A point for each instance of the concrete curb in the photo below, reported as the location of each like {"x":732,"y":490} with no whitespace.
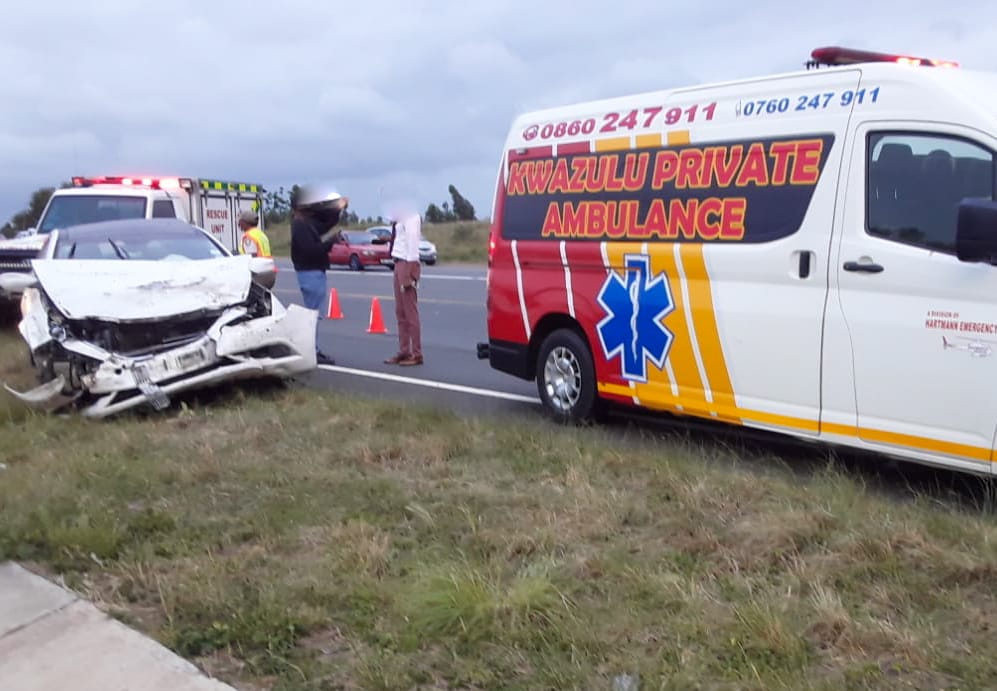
{"x":51,"y":639}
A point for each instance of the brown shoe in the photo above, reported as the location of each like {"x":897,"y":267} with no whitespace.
{"x":411,"y":360}
{"x":397,"y":359}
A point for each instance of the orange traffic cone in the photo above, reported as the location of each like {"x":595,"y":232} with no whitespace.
{"x":334,"y":311}
{"x":376,"y":320}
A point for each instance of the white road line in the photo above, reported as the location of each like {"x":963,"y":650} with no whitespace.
{"x":424,"y":276}
{"x":456,"y":278}
{"x":386,"y":298}
{"x":383,"y":274}
{"x":431,"y":384}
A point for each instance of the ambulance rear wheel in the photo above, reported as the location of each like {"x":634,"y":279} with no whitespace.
{"x":566,"y":377}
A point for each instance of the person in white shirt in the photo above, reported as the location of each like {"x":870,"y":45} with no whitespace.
{"x":406,"y":231}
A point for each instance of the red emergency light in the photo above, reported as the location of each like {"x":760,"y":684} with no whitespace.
{"x":134,"y":181}
{"x":835,"y":55}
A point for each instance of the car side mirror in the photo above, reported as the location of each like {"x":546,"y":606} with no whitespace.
{"x":264,"y":271}
{"x":976,"y":231}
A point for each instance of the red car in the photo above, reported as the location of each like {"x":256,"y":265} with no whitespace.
{"x":359,"y":249}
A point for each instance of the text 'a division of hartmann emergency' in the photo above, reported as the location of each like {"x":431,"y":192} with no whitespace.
{"x":688,"y":193}
{"x":950,"y":321}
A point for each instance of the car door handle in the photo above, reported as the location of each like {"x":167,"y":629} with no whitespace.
{"x":860,"y":266}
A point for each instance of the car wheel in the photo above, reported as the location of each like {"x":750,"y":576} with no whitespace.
{"x":430,"y":262}
{"x":355,"y":264}
{"x":566,"y":378}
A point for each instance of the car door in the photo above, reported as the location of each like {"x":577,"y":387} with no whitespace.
{"x":337,"y":253}
{"x":920,"y":324}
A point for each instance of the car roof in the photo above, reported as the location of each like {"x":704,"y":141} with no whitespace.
{"x":130,"y":226}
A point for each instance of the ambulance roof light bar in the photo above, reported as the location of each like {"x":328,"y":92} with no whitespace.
{"x":835,"y":56}
{"x":167,"y":183}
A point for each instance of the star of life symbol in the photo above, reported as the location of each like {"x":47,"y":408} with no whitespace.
{"x":635,"y":305}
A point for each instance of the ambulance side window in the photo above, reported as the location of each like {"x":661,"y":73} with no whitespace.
{"x":163,"y":208}
{"x":915,"y":183}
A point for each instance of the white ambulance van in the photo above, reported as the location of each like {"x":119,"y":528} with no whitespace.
{"x":810,"y":253}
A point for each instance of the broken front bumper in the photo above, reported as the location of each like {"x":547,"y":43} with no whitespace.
{"x":226,"y":352}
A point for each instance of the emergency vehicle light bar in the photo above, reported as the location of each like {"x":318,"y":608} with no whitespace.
{"x":835,"y":55}
{"x":154,"y":183}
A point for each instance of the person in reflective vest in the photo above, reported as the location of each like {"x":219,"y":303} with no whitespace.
{"x":253,"y":241}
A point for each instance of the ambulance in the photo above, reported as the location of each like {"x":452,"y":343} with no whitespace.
{"x":213,"y":205}
{"x":810,"y":253}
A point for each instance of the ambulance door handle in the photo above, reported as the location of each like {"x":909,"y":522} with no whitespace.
{"x":804,"y":267}
{"x":867,"y":267}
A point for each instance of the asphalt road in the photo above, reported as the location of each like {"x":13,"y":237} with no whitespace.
{"x":452,"y":311}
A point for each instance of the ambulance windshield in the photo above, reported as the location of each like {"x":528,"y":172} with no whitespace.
{"x":72,"y":210}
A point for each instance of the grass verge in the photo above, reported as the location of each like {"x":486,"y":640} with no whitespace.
{"x":287,"y":538}
{"x":462,"y":242}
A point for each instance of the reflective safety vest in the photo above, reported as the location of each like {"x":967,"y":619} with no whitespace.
{"x":255,"y":242}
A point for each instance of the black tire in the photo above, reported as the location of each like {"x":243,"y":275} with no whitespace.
{"x":566,"y":378}
{"x":355,"y":264}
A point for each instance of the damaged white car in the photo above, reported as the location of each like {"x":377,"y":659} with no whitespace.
{"x":125,"y":313}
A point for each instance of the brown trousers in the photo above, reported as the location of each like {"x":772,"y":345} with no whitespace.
{"x":407,"y":307}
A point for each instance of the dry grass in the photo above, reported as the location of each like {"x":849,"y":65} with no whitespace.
{"x":462,"y":242}
{"x":288,"y":538}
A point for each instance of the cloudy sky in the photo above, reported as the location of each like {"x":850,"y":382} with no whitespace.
{"x":386,"y":97}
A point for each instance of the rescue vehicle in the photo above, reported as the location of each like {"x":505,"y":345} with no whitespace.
{"x":213,"y":205}
{"x":810,"y":253}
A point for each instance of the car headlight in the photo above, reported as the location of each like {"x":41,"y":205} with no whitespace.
{"x":27,"y":301}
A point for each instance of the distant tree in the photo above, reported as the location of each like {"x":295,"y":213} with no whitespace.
{"x":448,"y":214}
{"x":433,"y":214}
{"x":28,"y":218}
{"x":278,"y":205}
{"x":462,"y":208}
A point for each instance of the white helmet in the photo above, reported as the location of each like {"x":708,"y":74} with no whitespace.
{"x":311,"y":194}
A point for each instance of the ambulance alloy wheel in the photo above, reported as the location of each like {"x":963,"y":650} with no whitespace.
{"x":566,"y":377}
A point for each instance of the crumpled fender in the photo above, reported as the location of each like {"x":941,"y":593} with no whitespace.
{"x":294,"y":328}
{"x":48,"y":396}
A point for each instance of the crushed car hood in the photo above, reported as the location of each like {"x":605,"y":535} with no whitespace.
{"x":131,"y":290}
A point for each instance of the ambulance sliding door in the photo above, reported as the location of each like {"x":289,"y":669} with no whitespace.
{"x":770,"y":288}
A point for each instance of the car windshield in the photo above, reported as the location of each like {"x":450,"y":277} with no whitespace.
{"x":74,"y":210}
{"x":358,"y":237}
{"x":138,"y":244}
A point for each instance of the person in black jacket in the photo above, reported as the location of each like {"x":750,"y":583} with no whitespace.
{"x":316,"y":211}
